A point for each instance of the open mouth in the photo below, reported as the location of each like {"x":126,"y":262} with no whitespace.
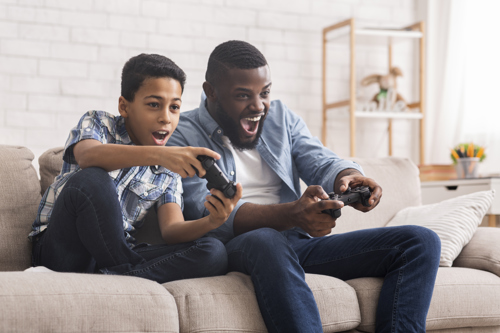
{"x":160,"y":137}
{"x":250,"y":125}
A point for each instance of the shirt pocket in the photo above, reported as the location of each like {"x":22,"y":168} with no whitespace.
{"x":139,"y":199}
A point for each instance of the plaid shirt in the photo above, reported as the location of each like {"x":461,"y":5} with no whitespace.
{"x":137,"y":188}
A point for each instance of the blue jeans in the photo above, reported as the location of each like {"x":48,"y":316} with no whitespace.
{"x":85,"y":234}
{"x":406,"y":257}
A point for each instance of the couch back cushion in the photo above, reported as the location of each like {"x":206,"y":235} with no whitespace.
{"x":20,"y":197}
{"x":50,"y":163}
{"x":399,"y":179}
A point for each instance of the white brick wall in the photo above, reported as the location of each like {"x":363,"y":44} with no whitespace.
{"x":60,"y":58}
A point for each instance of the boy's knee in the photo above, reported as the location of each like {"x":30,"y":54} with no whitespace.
{"x":213,"y":255}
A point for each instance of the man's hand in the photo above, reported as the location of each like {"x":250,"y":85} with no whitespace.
{"x":354,"y":179}
{"x":182,"y":160}
{"x":307,"y":212}
{"x":221,"y":207}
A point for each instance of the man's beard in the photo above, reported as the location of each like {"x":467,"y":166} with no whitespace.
{"x":231,"y":129}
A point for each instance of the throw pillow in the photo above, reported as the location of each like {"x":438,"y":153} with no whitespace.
{"x":454,"y":220}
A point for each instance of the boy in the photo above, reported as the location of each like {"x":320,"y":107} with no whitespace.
{"x":115,"y":169}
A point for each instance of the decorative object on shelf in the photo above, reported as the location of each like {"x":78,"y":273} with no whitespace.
{"x":466,"y":158}
{"x":387,"y":99}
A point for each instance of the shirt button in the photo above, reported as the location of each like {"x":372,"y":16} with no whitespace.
{"x":87,"y":129}
{"x":210,"y":136}
{"x":232,"y":173}
{"x":219,"y":131}
{"x":145,"y":193}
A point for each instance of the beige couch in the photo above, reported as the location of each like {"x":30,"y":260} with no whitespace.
{"x":466,"y":299}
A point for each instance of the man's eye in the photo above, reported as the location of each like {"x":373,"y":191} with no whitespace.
{"x":242,"y":96}
{"x":265,"y":93}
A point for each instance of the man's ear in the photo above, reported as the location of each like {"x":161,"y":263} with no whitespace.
{"x":123,"y":107}
{"x":209,"y":91}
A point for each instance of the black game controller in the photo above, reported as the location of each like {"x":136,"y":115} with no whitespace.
{"x":215,"y":177}
{"x":350,"y":196}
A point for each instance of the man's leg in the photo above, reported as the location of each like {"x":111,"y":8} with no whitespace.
{"x":285,"y":300}
{"x":407,"y":257}
{"x":86,"y":226}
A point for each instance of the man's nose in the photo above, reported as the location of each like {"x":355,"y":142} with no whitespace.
{"x":258,"y":104}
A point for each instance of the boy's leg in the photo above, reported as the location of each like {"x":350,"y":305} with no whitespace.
{"x":86,"y":225}
{"x":285,"y":300}
{"x":406,"y":257}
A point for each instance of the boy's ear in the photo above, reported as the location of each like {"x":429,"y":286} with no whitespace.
{"x":123,"y":107}
{"x":209,"y":91}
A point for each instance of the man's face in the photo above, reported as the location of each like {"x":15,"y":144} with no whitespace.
{"x":153,"y":115}
{"x":241,"y":104}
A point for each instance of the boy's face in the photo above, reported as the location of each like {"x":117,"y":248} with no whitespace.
{"x":242,"y":100}
{"x":153,"y":115}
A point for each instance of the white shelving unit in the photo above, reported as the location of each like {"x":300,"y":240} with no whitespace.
{"x":386,"y":37}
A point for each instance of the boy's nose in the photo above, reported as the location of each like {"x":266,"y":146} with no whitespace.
{"x":164,"y":117}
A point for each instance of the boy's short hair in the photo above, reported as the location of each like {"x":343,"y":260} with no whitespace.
{"x":232,"y":54}
{"x":144,"y":66}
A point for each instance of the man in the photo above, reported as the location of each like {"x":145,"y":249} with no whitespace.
{"x":274,"y":234}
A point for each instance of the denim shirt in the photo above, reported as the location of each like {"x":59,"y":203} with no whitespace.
{"x":286,"y":145}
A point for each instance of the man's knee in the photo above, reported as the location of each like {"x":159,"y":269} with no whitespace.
{"x":426,"y":240}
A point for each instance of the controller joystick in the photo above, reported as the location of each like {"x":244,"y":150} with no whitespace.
{"x":215,"y":177}
{"x":350,"y":196}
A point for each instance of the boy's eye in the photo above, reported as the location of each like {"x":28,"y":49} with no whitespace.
{"x":154,"y":104}
{"x":175,"y":107}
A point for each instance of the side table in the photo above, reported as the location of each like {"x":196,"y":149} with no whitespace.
{"x":436,"y":191}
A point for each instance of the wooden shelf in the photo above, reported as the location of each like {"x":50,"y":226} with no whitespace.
{"x":388,"y":115}
{"x":373,"y":36}
{"x":347,"y":32}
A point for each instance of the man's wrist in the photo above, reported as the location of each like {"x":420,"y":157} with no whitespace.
{"x":343,"y":173}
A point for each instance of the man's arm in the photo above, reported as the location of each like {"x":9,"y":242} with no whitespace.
{"x":181,"y":160}
{"x":305,"y":213}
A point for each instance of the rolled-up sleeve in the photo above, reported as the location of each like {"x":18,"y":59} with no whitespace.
{"x":316,"y":164}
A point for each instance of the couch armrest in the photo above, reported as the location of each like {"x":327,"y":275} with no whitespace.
{"x":482,"y":252}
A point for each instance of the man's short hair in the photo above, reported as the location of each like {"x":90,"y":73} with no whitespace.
{"x":145,"y":66}
{"x":232,"y":54}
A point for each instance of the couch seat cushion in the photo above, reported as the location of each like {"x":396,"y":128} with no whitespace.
{"x":228,"y":304}
{"x":68,"y":302}
{"x":462,"y":298}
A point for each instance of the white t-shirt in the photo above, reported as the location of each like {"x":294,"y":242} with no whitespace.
{"x":261,"y":185}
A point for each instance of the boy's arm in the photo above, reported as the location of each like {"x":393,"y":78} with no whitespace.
{"x":175,"y":230}
{"x":181,"y":160}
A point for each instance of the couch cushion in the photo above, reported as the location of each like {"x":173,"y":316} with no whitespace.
{"x":482,"y":252}
{"x":228,"y":303}
{"x":19,"y":200}
{"x":462,"y":298}
{"x":50,"y":163}
{"x":400,"y":183}
{"x":68,"y":302}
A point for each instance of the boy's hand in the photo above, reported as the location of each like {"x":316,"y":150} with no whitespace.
{"x":182,"y":160}
{"x":221,"y":207}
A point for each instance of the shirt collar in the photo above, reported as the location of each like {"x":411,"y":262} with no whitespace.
{"x":122,"y":131}
{"x":207,"y":122}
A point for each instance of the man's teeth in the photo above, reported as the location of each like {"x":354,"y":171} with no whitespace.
{"x":162,"y":132}
{"x":254,"y":118}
